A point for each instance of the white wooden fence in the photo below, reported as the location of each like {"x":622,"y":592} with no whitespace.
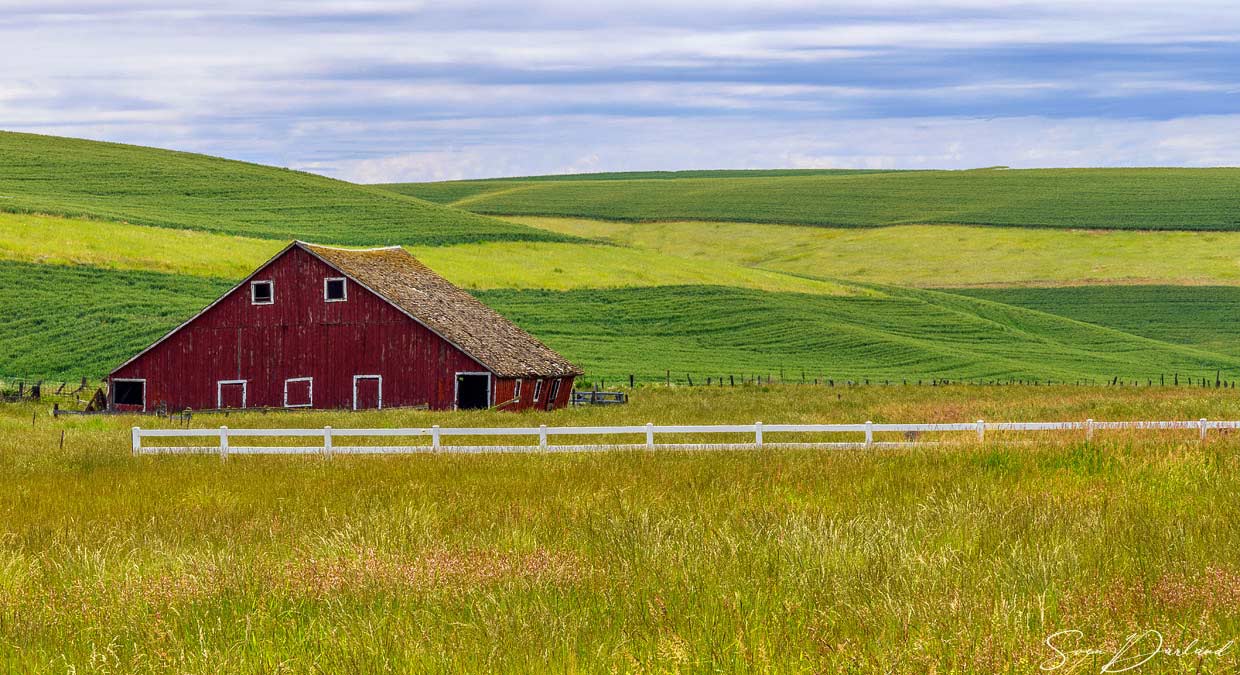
{"x":325,"y":439}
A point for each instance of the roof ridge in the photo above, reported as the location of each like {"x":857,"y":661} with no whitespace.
{"x":348,"y":250}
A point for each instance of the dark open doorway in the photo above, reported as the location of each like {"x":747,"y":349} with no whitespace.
{"x":129,"y":394}
{"x":473,"y":391}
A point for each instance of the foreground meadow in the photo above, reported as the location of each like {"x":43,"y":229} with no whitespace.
{"x":961,"y":557}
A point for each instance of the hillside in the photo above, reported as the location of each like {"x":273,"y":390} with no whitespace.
{"x":1203,"y":317}
{"x":56,"y":331}
{"x":108,"y":181}
{"x":1142,"y":199}
{"x":104,"y":247}
{"x":933,"y":256}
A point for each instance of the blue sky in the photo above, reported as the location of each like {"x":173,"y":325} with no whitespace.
{"x":386,"y":91}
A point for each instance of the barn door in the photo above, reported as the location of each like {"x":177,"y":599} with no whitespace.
{"x":473,"y":391}
{"x":230,"y":394}
{"x":367,"y":392}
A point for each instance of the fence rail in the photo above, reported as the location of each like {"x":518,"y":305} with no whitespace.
{"x":327,"y":436}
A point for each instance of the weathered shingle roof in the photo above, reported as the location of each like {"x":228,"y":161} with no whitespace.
{"x":455,"y":315}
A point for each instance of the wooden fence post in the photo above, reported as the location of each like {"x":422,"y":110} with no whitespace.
{"x":1204,"y":426}
{"x":137,"y":441}
{"x":1089,"y":429}
{"x":650,"y":435}
{"x":327,"y":442}
{"x":981,"y":431}
{"x":435,"y":438}
{"x":542,"y":436}
{"x":757,"y":434}
{"x":223,"y":443}
{"x":869,"y":434}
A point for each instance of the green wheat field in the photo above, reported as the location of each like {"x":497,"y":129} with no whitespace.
{"x":951,"y":557}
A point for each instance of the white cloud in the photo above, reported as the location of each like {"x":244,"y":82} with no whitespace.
{"x":386,"y":90}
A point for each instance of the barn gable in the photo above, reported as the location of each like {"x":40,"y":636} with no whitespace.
{"x":322,"y":327}
{"x":474,"y":328}
{"x":401,"y":280}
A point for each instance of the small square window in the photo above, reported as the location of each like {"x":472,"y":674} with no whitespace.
{"x":262,"y":293}
{"x":334,"y":290}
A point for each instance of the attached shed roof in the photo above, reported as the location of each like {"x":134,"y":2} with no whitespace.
{"x":458,"y":317}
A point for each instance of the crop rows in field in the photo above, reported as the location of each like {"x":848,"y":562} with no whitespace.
{"x":1163,"y":199}
{"x":1204,"y":317}
{"x":69,"y":322}
{"x":715,"y":331}
{"x":70,"y":177}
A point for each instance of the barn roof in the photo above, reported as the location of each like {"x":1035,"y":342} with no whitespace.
{"x":458,"y":317}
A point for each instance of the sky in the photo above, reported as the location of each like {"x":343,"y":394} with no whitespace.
{"x":380,"y":91}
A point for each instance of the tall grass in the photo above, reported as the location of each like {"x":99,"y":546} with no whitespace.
{"x":956,"y":558}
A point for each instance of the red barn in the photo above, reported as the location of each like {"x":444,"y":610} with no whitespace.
{"x":323,"y":327}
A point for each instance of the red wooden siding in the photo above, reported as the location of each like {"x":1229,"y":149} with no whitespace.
{"x":301,"y":335}
{"x":504,"y":389}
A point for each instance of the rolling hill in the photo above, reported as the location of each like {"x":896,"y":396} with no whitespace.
{"x":1140,"y":199}
{"x":109,"y":181}
{"x":103,"y":247}
{"x":66,"y":322}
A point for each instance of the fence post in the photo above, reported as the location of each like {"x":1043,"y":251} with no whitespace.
{"x":137,"y":441}
{"x":757,"y":434}
{"x":1089,"y":429}
{"x":869,"y":433}
{"x":981,"y":431}
{"x":650,"y":435}
{"x":327,"y":442}
{"x":1202,"y":423}
{"x":223,"y":443}
{"x":435,"y":438}
{"x":542,"y":436}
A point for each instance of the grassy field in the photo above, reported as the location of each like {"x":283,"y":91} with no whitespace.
{"x":522,"y":264}
{"x":1140,"y":199}
{"x":714,"y":331}
{"x":697,"y":330}
{"x":70,"y":177}
{"x":698,"y":299}
{"x":955,"y":558}
{"x":1204,"y":317}
{"x":934,"y":255}
{"x":72,"y":322}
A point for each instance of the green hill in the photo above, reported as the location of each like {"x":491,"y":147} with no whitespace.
{"x":1146,"y":199}
{"x":1204,"y":317}
{"x":108,"y":181}
{"x":73,"y":321}
{"x":81,"y":291}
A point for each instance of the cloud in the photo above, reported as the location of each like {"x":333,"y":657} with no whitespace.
{"x":378,"y":90}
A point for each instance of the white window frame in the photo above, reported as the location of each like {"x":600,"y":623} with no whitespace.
{"x":538,"y":387}
{"x":344,"y":281}
{"x":456,"y":386}
{"x":254,"y":299}
{"x":112,"y":391}
{"x":516,"y":390}
{"x":299,"y":405}
{"x":368,"y":377}
{"x":554,"y":393}
{"x":219,"y":393}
